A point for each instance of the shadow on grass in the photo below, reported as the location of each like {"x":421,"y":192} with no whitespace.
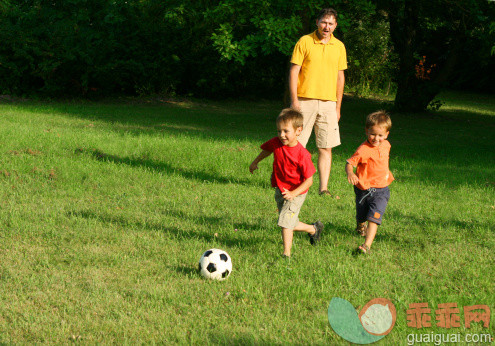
{"x":208,"y":120}
{"x":226,"y":238}
{"x":204,"y":119}
{"x":220,"y":338}
{"x":186,"y":270}
{"x":336,"y":228}
{"x":419,"y":138}
{"x":442,"y":229}
{"x":165,"y":168}
{"x":238,"y":231}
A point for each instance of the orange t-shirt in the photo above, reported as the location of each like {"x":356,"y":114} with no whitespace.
{"x":372,"y":165}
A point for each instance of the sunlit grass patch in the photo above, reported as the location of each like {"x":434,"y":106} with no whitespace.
{"x":106,"y":209}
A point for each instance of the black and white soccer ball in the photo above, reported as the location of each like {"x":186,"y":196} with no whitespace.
{"x":215,"y":264}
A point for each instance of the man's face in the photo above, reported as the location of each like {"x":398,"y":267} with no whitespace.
{"x":326,"y":26}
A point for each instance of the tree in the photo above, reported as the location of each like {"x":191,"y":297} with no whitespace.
{"x":222,"y":48}
{"x":66,"y":48}
{"x":257,"y":38}
{"x":431,"y":40}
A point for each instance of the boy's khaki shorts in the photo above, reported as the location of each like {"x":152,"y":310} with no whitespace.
{"x":288,"y":211}
{"x":323,"y":116}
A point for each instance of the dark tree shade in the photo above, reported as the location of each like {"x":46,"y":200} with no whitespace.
{"x":233,"y":48}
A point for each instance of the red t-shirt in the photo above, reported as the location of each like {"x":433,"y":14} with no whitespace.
{"x":372,"y":165}
{"x":291,"y":165}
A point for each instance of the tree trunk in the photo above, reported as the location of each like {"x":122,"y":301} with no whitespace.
{"x":414,"y":90}
{"x":413,"y":94}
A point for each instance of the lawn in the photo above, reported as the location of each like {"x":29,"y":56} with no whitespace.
{"x":106,"y":208}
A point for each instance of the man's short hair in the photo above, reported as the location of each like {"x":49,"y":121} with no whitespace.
{"x":380,"y":118}
{"x":291,"y":115}
{"x":326,"y":12}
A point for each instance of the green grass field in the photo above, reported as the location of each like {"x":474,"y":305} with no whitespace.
{"x":107,"y":207}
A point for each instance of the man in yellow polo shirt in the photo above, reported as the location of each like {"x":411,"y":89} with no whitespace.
{"x":316,"y":82}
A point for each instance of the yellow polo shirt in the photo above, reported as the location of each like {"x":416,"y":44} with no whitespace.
{"x":320,"y":64}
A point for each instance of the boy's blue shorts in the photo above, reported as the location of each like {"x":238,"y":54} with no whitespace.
{"x":371,"y":204}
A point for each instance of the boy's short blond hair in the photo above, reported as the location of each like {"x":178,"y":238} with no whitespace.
{"x":380,"y":118}
{"x":291,"y":115}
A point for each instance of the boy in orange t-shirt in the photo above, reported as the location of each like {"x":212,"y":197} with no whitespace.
{"x":372,"y":177}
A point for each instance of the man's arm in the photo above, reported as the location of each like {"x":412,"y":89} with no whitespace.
{"x":340,"y":91}
{"x":305,"y":185}
{"x":254,"y":165}
{"x":293,"y":77}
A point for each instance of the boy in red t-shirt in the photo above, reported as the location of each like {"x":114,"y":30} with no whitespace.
{"x":372,"y":177}
{"x":291,"y":177}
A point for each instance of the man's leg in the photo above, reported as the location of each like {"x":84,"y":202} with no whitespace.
{"x":309,"y":112}
{"x":327,"y":137}
{"x":324,"y":167}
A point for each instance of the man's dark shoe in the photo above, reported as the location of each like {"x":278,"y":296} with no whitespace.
{"x":315,"y":237}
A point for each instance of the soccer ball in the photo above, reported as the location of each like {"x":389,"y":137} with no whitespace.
{"x":215,"y":264}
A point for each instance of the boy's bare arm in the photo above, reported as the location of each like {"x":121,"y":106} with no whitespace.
{"x":351,"y":177}
{"x":254,"y":165}
{"x":305,"y":185}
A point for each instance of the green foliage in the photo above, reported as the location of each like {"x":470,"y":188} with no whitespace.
{"x":492,"y":31}
{"x":227,"y":48}
{"x":445,"y":34}
{"x":83,"y":47}
{"x":435,"y":105}
{"x":271,"y":29}
{"x":372,"y":60}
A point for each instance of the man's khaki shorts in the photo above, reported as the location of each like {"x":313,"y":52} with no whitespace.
{"x":288,"y":211}
{"x":323,"y":116}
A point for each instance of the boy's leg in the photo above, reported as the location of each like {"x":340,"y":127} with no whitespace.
{"x":288,"y":218}
{"x":361,"y":228}
{"x":288,"y":234}
{"x":361,"y":211}
{"x":303,"y":227}
{"x":377,"y":205}
{"x":370,"y":233}
{"x":314,"y":231}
